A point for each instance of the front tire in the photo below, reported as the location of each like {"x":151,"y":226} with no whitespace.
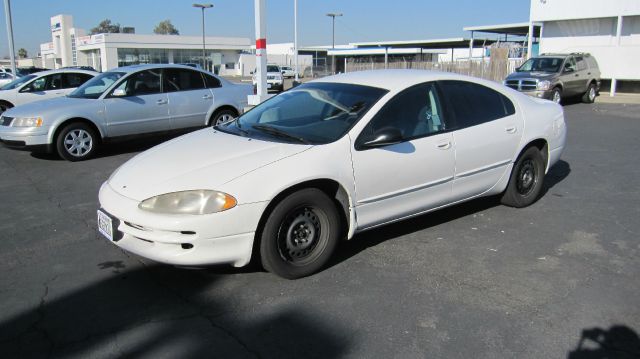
{"x":300,"y":234}
{"x":76,"y":142}
{"x":526,"y":179}
{"x":556,"y":95}
{"x":4,"y":105}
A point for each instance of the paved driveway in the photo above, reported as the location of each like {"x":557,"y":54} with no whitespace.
{"x":477,"y":280}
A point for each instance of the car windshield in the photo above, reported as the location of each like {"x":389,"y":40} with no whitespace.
{"x":541,"y":64}
{"x":312,"y":113}
{"x":17,"y":82}
{"x":97,"y":85}
{"x":271,"y":68}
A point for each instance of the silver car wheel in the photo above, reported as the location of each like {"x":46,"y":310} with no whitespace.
{"x":224,"y":118}
{"x":556,"y":96}
{"x":78,"y":142}
{"x":592,"y":93}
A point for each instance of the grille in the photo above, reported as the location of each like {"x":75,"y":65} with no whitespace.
{"x":6,"y":120}
{"x":522,"y":85}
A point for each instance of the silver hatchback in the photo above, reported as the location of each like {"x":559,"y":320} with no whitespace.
{"x":123,"y":102}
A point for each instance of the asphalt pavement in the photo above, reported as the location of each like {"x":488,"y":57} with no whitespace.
{"x":558,"y":279}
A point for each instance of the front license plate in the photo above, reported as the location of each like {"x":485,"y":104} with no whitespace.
{"x":268,"y":86}
{"x":105,"y":225}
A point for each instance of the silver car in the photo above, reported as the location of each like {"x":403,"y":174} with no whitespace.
{"x":123,"y":102}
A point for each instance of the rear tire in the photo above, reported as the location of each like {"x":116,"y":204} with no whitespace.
{"x":222,"y":116}
{"x":300,"y":234}
{"x":590,"y":95}
{"x":526,"y":179}
{"x":76,"y":141}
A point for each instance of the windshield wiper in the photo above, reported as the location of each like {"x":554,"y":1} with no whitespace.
{"x":279,"y":133}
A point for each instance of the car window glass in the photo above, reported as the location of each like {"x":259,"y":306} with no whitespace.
{"x":38,"y":84}
{"x":580,"y":64}
{"x":473,"y":104}
{"x":182,"y":80}
{"x":211,"y":81}
{"x":415,"y":112}
{"x":570,"y":64}
{"x":54,"y":82}
{"x":141,"y":83}
{"x":73,"y":79}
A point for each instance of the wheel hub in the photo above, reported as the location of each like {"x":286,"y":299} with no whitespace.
{"x":526,"y":178}
{"x":301,"y":235}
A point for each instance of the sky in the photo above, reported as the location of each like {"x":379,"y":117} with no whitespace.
{"x":363,"y":20}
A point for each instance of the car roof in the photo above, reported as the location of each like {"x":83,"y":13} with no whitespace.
{"x":49,"y":72}
{"x":134,"y":68}
{"x":396,"y":79}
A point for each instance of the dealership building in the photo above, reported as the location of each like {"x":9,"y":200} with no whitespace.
{"x":71,"y":46}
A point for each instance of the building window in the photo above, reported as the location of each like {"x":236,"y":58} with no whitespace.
{"x":74,"y":53}
{"x":128,"y":57}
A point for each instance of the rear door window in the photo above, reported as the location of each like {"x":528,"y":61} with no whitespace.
{"x":472,"y":104}
{"x":182,"y":80}
{"x":211,"y":81}
{"x":74,"y":79}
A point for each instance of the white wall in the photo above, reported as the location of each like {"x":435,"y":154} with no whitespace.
{"x":598,"y":37}
{"x":548,"y":10}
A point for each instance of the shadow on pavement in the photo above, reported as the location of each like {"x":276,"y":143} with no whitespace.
{"x":160,"y":311}
{"x":620,"y":342}
{"x":359,"y":243}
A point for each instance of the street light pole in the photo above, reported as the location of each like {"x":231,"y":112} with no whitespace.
{"x":295,"y":38}
{"x":333,"y":31}
{"x":204,"y":56}
{"x":12,"y":52}
{"x":333,"y":38}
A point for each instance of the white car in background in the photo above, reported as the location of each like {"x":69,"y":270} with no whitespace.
{"x":42,"y":86}
{"x":325,"y":160}
{"x":275,"y":80}
{"x":5,"y":78}
{"x":126,"y":101}
{"x":288,"y":72}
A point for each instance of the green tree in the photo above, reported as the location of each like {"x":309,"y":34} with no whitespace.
{"x":22,"y":53}
{"x":105,"y":26}
{"x":165,"y":27}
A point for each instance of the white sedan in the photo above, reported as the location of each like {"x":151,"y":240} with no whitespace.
{"x":42,"y":86}
{"x":326,"y":160}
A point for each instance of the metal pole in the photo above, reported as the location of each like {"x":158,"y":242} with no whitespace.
{"x":530,"y":40}
{"x":333,"y":38}
{"x":295,"y":38}
{"x":261,"y":48}
{"x":204,"y":55}
{"x":12,"y":50}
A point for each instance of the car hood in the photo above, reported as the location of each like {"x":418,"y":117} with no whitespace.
{"x":531,"y":75}
{"x":204,"y":159}
{"x":43,"y":107}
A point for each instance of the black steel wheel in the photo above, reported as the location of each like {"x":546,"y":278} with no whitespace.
{"x":526,"y":179}
{"x":300,"y":234}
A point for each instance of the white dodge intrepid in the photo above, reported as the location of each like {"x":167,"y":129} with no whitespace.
{"x":325,"y":160}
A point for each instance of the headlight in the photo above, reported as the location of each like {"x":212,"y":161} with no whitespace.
{"x":543,"y":85}
{"x":189,"y":202}
{"x":27,"y":122}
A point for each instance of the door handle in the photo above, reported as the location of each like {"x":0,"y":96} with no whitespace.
{"x":444,"y":145}
{"x":161,"y":102}
{"x":511,"y":129}
{"x":207,"y":97}
{"x":576,"y":75}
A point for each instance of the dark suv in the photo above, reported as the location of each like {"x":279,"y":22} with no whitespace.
{"x":557,"y":76}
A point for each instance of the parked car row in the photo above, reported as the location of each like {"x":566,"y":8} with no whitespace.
{"x":126,"y":101}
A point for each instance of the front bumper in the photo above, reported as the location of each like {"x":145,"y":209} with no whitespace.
{"x":547,"y":95}
{"x":188,"y":240}
{"x":24,"y":137}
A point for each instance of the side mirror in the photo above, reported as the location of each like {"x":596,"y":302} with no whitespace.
{"x":384,"y":137}
{"x":568,"y":69}
{"x":119,"y":93}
